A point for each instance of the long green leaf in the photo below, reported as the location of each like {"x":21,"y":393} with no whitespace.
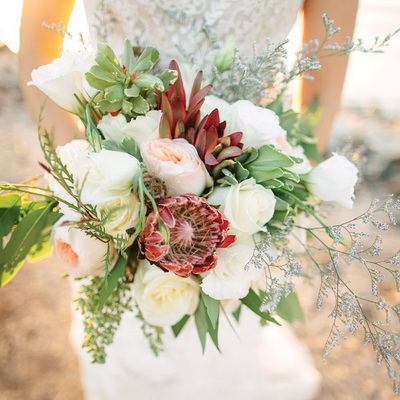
{"x":109,"y":285}
{"x":201,"y":324}
{"x":10,"y":205}
{"x":27,"y":233}
{"x":212,"y":308}
{"x":253,"y":302}
{"x":289,"y":308}
{"x":177,"y":328}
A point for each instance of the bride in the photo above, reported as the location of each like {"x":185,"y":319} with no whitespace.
{"x":256,"y":363}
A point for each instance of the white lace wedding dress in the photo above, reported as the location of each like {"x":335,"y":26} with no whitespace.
{"x":255,"y":363}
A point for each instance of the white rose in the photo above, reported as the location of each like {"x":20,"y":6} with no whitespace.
{"x":120,"y":214}
{"x":141,"y":129}
{"x":163,"y":297}
{"x":177,"y":162}
{"x":64,"y":78}
{"x":258,"y":124}
{"x":109,"y":176}
{"x":333,"y":180}
{"x":74,"y":156}
{"x":80,"y":254}
{"x":248,"y":206}
{"x":212,"y":102}
{"x":229,"y":279}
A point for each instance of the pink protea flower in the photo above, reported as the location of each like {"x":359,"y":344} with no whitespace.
{"x":196,"y":230}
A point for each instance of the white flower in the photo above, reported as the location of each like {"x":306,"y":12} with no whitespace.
{"x":248,"y":206}
{"x":212,"y":102}
{"x":163,"y":297}
{"x":74,"y":156}
{"x":141,"y":129}
{"x":109,"y":176}
{"x":120,"y":214}
{"x":64,"y":78}
{"x":229,"y":279}
{"x":301,"y":168}
{"x":258,"y":124}
{"x":333,"y":180}
{"x":80,"y":255}
{"x":177,"y":162}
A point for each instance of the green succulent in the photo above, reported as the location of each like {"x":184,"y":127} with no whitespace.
{"x":129,"y":88}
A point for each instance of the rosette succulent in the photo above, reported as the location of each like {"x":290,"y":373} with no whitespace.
{"x":195,"y":231}
{"x":181,"y":121}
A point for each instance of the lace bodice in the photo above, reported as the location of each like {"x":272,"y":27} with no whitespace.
{"x":180,"y":28}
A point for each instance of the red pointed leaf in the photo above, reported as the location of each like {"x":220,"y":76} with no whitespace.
{"x":190,"y":134}
{"x":197,"y":83}
{"x":201,"y":143}
{"x":179,"y":130}
{"x":200,"y":95}
{"x":209,"y":159}
{"x":165,"y":130}
{"x":166,"y":108}
{"x":180,"y":90}
{"x":211,"y":139}
{"x":229,"y":152}
{"x":236,"y":138}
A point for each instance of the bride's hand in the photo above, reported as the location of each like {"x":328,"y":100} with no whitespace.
{"x":328,"y":81}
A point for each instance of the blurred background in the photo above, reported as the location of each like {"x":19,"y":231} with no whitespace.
{"x":36,"y":360}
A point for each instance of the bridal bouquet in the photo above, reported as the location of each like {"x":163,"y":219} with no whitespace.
{"x":188,"y":200}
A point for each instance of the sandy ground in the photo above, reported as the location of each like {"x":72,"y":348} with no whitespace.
{"x":36,"y":360}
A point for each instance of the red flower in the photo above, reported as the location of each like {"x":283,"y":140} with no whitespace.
{"x":195,"y":231}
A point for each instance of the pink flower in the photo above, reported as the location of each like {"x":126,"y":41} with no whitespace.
{"x":196,"y":230}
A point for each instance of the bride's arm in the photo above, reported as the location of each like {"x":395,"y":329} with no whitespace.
{"x":328,"y":83}
{"x":39,"y":46}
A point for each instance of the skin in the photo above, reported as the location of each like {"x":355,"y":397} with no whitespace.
{"x":328,"y":81}
{"x":40,"y":46}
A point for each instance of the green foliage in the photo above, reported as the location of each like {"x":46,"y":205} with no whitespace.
{"x":177,"y":328}
{"x":31,"y":229}
{"x":10,"y":206}
{"x":128,"y":145}
{"x":101,"y":323}
{"x":111,"y":280}
{"x":207,"y":319}
{"x":289,"y":308}
{"x":152,"y":333}
{"x":253,"y":302}
{"x":130,"y":88}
